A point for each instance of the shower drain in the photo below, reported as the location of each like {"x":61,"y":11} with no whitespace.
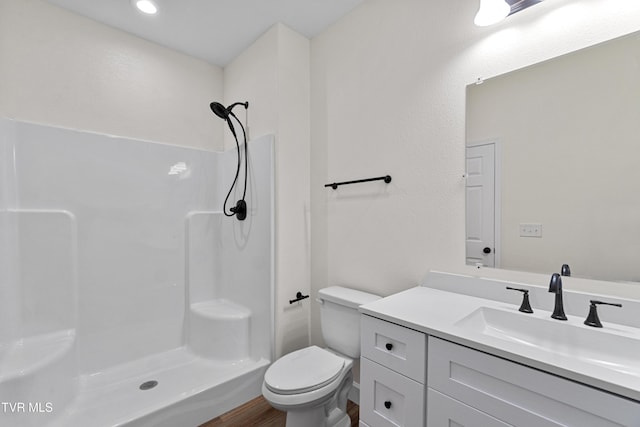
{"x":148,"y":385}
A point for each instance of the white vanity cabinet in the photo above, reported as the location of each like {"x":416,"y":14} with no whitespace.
{"x":514,"y":394}
{"x":392,"y":375}
{"x":409,"y":378}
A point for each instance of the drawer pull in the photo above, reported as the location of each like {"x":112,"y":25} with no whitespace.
{"x":389,"y":346}
{"x":387,"y":404}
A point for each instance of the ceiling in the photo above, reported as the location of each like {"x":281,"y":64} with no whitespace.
{"x":213,"y":30}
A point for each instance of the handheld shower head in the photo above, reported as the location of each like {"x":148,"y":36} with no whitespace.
{"x":223,"y":112}
{"x":219,"y":110}
{"x":240,"y":209}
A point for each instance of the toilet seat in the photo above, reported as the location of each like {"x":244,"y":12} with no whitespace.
{"x":303,"y":371}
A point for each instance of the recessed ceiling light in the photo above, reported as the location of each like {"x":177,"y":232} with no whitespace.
{"x":146,"y":6}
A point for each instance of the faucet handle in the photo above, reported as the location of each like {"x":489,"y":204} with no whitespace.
{"x":592,"y":318}
{"x":525,"y":307}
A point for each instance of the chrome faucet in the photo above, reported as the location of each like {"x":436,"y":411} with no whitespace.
{"x":555,"y":286}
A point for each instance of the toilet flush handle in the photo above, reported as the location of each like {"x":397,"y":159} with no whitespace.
{"x":389,"y":346}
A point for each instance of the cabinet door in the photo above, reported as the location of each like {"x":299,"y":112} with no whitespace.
{"x":520,"y":395}
{"x":388,"y":399}
{"x":447,"y":412}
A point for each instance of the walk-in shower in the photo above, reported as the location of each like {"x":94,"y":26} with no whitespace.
{"x":125,"y":297}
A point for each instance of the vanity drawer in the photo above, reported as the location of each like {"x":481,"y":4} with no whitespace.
{"x":445,"y":411}
{"x":396,"y":347}
{"x":520,"y":395}
{"x":388,"y":399}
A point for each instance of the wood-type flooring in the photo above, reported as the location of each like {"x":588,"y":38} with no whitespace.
{"x":259,"y":413}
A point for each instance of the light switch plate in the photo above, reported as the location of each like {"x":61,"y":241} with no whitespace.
{"x":531,"y":230}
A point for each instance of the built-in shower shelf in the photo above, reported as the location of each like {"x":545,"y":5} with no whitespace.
{"x":220,"y":309}
{"x":25,"y":356}
{"x":220,"y":330}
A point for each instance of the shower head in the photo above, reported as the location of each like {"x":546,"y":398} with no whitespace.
{"x":219,"y":110}
{"x":223,"y":112}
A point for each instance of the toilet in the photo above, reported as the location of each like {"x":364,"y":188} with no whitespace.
{"x":312,"y":384}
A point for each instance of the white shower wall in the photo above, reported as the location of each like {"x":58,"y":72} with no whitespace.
{"x":7,"y":310}
{"x":94,"y":238}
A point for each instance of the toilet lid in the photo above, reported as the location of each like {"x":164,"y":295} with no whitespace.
{"x":303,"y":370}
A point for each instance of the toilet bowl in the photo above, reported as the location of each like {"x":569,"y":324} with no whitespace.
{"x":305,"y":384}
{"x":312,"y":384}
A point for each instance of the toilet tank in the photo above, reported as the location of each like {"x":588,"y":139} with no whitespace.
{"x":340,"y":318}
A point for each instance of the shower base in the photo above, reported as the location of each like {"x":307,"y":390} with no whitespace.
{"x":189,"y":391}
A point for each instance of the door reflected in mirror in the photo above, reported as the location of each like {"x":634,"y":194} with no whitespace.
{"x":566,"y":165}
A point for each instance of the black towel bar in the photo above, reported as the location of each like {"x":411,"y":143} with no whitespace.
{"x":335,"y":185}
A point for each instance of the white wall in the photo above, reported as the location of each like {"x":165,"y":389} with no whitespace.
{"x":388,"y":96}
{"x":273,"y":76}
{"x":59,"y":68}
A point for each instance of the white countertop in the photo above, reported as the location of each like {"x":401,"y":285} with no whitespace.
{"x":436,"y":312}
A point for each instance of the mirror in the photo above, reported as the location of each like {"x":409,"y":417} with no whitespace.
{"x":564,"y":139}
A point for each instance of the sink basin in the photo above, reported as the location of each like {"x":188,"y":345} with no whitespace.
{"x":617,"y":349}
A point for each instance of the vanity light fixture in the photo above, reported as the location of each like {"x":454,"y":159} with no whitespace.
{"x":491,"y":12}
{"x":494,"y":11}
{"x":148,"y":7}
